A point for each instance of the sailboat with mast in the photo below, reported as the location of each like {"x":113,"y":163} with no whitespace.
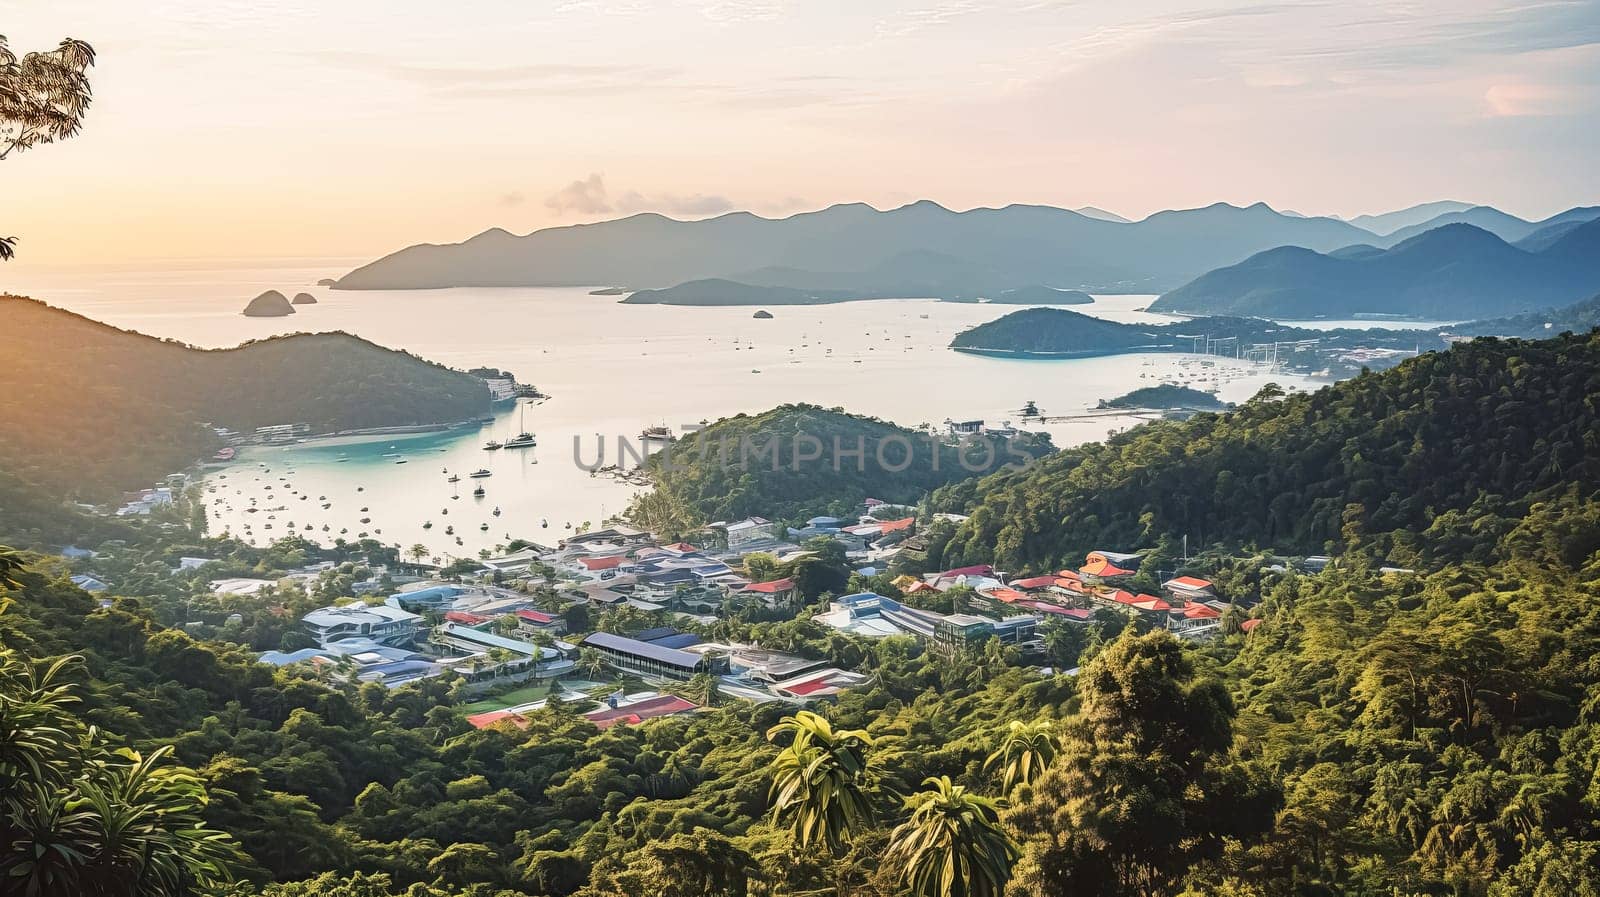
{"x":523,"y":439}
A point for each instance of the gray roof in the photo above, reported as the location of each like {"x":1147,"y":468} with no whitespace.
{"x":646,"y":650}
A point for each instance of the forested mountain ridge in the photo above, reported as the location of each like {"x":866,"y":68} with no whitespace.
{"x":1489,"y":420}
{"x":1453,"y":273}
{"x":795,"y":461}
{"x":92,"y":409}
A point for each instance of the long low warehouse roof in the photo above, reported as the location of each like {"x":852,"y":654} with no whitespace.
{"x":643,"y":649}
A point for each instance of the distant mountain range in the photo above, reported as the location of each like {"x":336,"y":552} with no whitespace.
{"x":854,"y":251}
{"x":1454,"y":272}
{"x":857,"y":247}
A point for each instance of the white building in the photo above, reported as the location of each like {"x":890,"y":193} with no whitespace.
{"x":380,"y":623}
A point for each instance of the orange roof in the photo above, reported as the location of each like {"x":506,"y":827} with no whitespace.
{"x":1072,"y":585}
{"x":1189,"y":582}
{"x":484,"y":720}
{"x":1103,"y":570}
{"x":1067,"y":574}
{"x":1005,"y":594}
{"x":1034,"y":582}
{"x":890,"y":526}
{"x":608,"y":563}
{"x":1250,"y":624}
{"x":1122,"y":597}
{"x":1201,"y":612}
{"x":776,"y":585}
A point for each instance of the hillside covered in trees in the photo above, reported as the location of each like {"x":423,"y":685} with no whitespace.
{"x":1489,"y":424}
{"x":1373,"y":732}
{"x":91,"y":409}
{"x":799,"y":460}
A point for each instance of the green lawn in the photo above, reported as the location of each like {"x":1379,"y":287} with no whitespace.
{"x":525,"y":695}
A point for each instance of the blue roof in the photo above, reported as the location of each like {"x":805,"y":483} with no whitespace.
{"x":430,"y":595}
{"x":824,"y":521}
{"x":650,"y":635}
{"x":670,"y":656}
{"x":681,"y":640}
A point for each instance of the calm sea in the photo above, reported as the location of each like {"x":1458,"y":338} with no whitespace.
{"x":610,"y":369}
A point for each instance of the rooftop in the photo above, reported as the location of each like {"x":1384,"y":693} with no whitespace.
{"x":636,"y":648}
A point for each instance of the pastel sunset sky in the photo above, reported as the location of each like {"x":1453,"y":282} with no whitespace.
{"x":277,"y":127}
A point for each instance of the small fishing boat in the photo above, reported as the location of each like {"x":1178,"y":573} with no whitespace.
{"x":453,"y":479}
{"x":480,"y":473}
{"x":491,"y":445}
{"x":427,"y":524}
{"x":478,"y":492}
{"x":484,"y":527}
{"x":449,"y":530}
{"x":497,"y":510}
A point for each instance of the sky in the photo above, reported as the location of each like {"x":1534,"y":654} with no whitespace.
{"x":226,"y":129}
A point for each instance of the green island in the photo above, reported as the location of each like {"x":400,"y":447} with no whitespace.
{"x":761,"y":464}
{"x":1167,"y":396}
{"x":92,"y":409}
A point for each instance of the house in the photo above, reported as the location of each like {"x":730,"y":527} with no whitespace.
{"x":463,"y":618}
{"x":239,"y":586}
{"x":748,"y":532}
{"x":645,"y":659}
{"x":424,"y":599}
{"x":1194,"y":621}
{"x":774,"y":593}
{"x":1189,"y":590}
{"x":546,"y":663}
{"x":597,"y":566}
{"x":89,"y":583}
{"x":635,"y":709}
{"x":531,"y":621}
{"x":381,"y":623}
{"x":190,"y":563}
{"x":817,"y":685}
{"x":1033,"y":583}
{"x":958,"y":633}
{"x":1099,"y":566}
{"x":758,"y":664}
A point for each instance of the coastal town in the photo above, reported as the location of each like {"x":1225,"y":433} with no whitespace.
{"x":624,"y":627}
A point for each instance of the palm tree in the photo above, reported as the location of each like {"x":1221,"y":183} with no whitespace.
{"x":1025,"y":752}
{"x":81,"y":818}
{"x":953,"y":845}
{"x":592,"y":663}
{"x":820,"y":782}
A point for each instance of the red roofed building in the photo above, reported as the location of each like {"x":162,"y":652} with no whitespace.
{"x":485,"y":720}
{"x":466,"y":619}
{"x":773,"y":593}
{"x":974,"y":570}
{"x":639,"y":711}
{"x":605,"y":563}
{"x":893,"y":526}
{"x":679,"y":548}
{"x":1248,"y":625}
{"x":1186,"y":589}
{"x":539,"y":621}
{"x":1034,"y":582}
{"x":1009,"y":596}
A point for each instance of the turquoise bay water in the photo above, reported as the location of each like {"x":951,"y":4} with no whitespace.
{"x":610,"y":369}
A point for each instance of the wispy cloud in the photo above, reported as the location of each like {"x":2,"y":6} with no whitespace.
{"x":589,"y":196}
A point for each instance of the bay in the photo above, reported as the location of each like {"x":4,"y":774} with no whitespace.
{"x":610,"y":370}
